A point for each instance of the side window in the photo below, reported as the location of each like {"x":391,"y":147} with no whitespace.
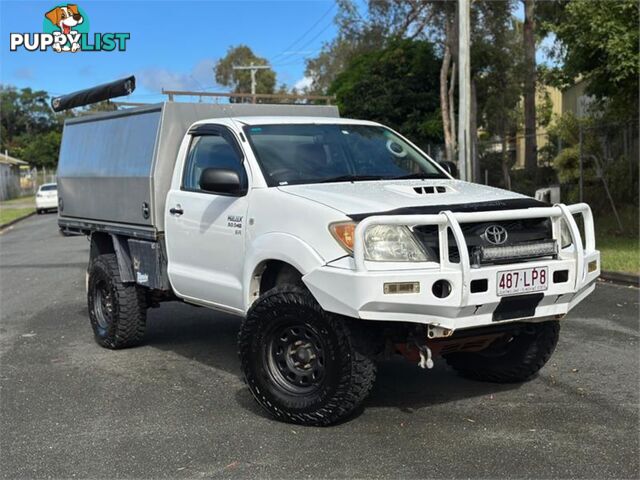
{"x":210,"y":151}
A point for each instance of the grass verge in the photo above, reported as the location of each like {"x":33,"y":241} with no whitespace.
{"x":10,"y":214}
{"x":620,"y":250}
{"x":19,"y":202}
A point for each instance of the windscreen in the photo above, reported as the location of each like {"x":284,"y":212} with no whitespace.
{"x":48,"y":188}
{"x":291,"y":154}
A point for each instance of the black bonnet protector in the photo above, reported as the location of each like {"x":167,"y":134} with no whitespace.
{"x":508,"y":204}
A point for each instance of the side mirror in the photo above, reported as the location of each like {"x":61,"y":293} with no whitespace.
{"x":450,"y":167}
{"x":222,"y":181}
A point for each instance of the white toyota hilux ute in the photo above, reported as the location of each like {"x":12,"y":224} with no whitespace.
{"x":338,"y":242}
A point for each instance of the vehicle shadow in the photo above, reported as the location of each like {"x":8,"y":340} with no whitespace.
{"x":201,"y":334}
{"x":209,"y":337}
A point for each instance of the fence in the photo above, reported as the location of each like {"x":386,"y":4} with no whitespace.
{"x":20,"y":182}
{"x":36,"y":177}
{"x":9,"y":182}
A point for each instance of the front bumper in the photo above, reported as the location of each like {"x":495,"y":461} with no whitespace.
{"x":355,"y":287}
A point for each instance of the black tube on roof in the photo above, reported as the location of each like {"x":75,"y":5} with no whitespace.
{"x":96,"y":94}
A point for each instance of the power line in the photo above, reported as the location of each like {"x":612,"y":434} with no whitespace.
{"x":305,"y":45}
{"x":316,"y":23}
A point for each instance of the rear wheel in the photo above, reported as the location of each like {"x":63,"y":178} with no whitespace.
{"x":513,"y":358}
{"x":117,"y":310}
{"x":303,"y":365}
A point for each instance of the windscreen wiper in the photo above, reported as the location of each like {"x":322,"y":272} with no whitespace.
{"x":351,"y":178}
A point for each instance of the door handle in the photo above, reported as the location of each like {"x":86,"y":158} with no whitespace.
{"x":176,"y":211}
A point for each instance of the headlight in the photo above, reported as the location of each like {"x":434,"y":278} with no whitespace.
{"x":392,"y":243}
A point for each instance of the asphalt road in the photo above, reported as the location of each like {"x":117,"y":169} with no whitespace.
{"x":178,"y":407}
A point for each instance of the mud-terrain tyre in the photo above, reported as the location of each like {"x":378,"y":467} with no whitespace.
{"x":117,"y":310}
{"x":302,"y":364}
{"x":511,"y":359}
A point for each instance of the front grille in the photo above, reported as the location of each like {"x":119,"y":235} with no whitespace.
{"x":519,"y":232}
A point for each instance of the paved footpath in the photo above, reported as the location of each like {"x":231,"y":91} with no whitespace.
{"x":177,"y":407}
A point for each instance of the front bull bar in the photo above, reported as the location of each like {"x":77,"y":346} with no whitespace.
{"x":448,"y":219}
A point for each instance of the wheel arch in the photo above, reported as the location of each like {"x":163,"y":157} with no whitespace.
{"x":101,"y":244}
{"x":104,"y":243}
{"x":273,"y":256}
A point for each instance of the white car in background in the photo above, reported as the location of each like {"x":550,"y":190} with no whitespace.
{"x":47,"y":197}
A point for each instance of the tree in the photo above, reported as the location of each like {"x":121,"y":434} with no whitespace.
{"x":433,"y":20}
{"x":29,"y":129}
{"x":397,"y":86}
{"x":355,"y":36}
{"x":529,"y":44}
{"x":240,"y":80}
{"x":496,"y":78}
{"x":437,"y":21}
{"x":42,"y":149}
{"x":383,"y":22}
{"x":499,"y":88}
{"x":23,"y":111}
{"x":598,"y":41}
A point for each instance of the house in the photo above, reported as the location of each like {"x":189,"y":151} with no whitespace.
{"x":10,"y":176}
{"x":547,"y":97}
{"x":575,"y":99}
{"x":549,"y":100}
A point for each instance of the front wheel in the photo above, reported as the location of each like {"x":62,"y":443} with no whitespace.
{"x":303,"y":365}
{"x":510,"y":359}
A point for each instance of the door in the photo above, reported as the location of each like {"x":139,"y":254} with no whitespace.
{"x":205,"y":230}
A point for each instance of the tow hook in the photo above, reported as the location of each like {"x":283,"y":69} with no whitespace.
{"x":416,"y":352}
{"x":426,"y":358}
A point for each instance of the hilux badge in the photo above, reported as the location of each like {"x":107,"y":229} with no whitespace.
{"x":495,"y":234}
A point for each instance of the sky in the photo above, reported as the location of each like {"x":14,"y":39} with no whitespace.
{"x":173,"y":44}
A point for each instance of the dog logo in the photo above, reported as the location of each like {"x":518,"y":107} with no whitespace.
{"x":65,"y":28}
{"x":495,"y":234}
{"x":66,"y":18}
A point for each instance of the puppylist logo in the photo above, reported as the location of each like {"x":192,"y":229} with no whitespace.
{"x":66,"y":29}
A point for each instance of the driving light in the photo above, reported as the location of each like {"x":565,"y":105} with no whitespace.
{"x":344,"y":233}
{"x":392,"y":243}
{"x":523,"y":250}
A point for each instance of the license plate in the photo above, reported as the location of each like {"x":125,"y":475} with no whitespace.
{"x":526,"y":280}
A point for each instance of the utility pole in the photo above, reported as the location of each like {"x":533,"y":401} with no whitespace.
{"x":253,"y":68}
{"x":464,"y":97}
